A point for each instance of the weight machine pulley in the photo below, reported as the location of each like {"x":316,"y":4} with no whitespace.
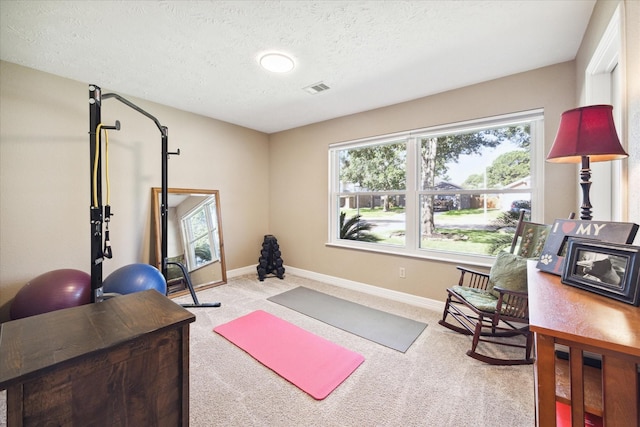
{"x":99,"y":249}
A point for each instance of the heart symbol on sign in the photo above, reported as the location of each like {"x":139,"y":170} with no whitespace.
{"x":568,"y":227}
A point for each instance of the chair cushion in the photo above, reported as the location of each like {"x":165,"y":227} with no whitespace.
{"x":508,"y":272}
{"x":479,"y":298}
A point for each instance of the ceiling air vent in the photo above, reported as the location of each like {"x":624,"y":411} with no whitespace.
{"x":316,"y":87}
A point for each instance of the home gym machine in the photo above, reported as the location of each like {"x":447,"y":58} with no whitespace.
{"x":101,"y":215}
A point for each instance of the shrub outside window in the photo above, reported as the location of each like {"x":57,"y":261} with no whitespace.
{"x":445,"y":192}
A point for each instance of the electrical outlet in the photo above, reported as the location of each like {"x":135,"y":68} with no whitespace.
{"x":402,"y":273}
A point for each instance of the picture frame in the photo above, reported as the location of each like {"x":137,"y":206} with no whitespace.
{"x":608,"y":269}
{"x":555,"y":247}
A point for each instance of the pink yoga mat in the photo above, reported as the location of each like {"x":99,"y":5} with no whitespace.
{"x":313,"y":364}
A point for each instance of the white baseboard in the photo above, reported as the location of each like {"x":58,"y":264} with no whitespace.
{"x":427,"y":303}
{"x":251,"y":269}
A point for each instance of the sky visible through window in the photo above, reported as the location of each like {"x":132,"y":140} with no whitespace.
{"x":469,"y":165}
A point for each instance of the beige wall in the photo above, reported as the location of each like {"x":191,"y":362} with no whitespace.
{"x":299,"y":174}
{"x":45,"y":170}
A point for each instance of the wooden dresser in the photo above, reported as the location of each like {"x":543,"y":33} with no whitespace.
{"x":584,"y":322}
{"x":121,"y":362}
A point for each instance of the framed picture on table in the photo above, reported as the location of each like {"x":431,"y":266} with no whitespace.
{"x":608,"y":269}
{"x":555,"y":247}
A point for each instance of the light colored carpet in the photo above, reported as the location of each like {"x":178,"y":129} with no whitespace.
{"x":433,"y":384}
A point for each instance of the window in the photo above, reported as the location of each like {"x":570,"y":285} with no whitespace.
{"x":200,"y":234}
{"x":451,"y":192}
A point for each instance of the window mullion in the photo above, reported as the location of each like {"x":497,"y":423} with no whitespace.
{"x":411,"y":197}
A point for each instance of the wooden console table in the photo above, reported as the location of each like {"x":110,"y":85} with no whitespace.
{"x":124,"y":361}
{"x":584,"y":322}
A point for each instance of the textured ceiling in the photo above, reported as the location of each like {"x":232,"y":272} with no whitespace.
{"x":201,"y":56}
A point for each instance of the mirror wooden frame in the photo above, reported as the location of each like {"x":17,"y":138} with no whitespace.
{"x":156,"y":249}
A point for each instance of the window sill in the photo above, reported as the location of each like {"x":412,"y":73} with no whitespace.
{"x":445,"y":257}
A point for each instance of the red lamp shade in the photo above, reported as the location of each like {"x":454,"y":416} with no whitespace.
{"x":587,"y":131}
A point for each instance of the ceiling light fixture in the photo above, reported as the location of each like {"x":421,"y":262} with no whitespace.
{"x":276,"y":62}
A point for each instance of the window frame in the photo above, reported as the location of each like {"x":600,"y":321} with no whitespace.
{"x":413,"y":191}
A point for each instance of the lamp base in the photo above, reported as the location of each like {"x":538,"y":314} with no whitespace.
{"x":585,"y":183}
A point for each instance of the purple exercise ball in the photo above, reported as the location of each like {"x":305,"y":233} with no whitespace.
{"x":52,"y":291}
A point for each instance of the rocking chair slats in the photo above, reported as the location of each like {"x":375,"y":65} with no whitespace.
{"x":493,"y":314}
{"x":475,"y":279}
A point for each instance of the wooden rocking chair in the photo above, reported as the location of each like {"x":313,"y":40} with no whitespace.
{"x":494,"y":306}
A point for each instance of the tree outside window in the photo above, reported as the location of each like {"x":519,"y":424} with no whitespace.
{"x":456,"y":191}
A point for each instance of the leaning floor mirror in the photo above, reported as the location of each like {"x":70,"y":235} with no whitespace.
{"x":194,"y":238}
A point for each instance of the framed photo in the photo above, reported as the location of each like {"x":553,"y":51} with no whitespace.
{"x":608,"y":269}
{"x":555,"y":247}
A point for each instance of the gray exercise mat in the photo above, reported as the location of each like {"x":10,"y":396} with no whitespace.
{"x":378,"y":326}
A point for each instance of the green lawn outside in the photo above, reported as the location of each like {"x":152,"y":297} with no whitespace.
{"x":473,"y":238}
{"x":468,"y":216}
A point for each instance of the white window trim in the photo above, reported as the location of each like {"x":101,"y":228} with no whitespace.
{"x":609,"y":186}
{"x":412,"y":250}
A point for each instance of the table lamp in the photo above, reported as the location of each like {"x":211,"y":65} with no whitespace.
{"x":586,"y":134}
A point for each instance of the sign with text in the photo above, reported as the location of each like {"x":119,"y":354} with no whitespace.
{"x":555,"y":247}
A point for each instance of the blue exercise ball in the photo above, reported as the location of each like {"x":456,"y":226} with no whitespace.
{"x":52,"y":291}
{"x":134,"y":278}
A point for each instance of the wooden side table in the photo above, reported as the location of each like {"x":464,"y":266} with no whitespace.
{"x":124,"y":361}
{"x":584,"y":322}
